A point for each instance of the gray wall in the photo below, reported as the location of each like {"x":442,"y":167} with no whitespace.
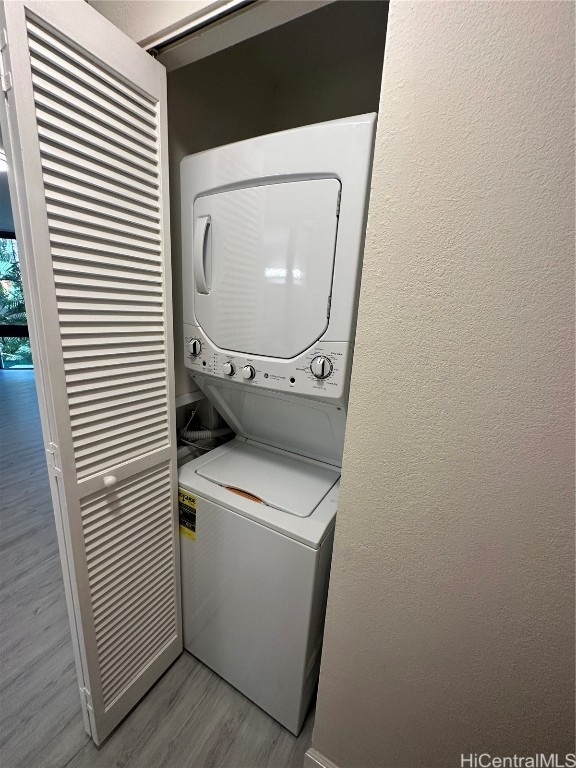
{"x":450,"y":623}
{"x":347,"y":87}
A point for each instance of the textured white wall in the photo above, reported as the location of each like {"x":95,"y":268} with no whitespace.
{"x":450,"y":623}
{"x":141,"y":19}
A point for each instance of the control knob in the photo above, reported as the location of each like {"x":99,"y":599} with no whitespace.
{"x":321,"y":367}
{"x":195,"y":347}
{"x":248,"y":372}
{"x":229,"y":369}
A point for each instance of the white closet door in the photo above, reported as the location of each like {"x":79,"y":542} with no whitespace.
{"x":84,"y":126}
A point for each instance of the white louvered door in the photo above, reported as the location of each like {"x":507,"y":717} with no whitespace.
{"x":84,"y":127}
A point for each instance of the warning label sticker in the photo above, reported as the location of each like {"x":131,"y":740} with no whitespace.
{"x":187,"y":513}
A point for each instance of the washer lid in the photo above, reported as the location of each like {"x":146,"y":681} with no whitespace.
{"x":289,"y":485}
{"x":263,"y":262}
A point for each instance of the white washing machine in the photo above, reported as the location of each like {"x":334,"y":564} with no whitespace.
{"x":273,"y":235}
{"x":255,"y":574}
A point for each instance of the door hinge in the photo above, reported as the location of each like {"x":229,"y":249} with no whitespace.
{"x":53,"y":459}
{"x":329,"y":305}
{"x":338,"y":203}
{"x":5,"y":76}
{"x":88,"y":697}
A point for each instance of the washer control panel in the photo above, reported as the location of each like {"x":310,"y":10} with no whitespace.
{"x":319,"y":372}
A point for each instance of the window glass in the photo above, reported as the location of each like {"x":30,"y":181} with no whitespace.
{"x":14,"y":341}
{"x":12,"y":309}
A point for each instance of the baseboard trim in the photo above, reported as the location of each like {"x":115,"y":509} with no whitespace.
{"x":315,"y":759}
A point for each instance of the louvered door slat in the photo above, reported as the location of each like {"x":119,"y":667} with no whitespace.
{"x":55,"y":61}
{"x":118,"y":375}
{"x":128,"y":301}
{"x":85,"y":416}
{"x":100,"y":565}
{"x":109,"y":546}
{"x":116,"y":678}
{"x":112,"y":642}
{"x":126,"y":575}
{"x":64,"y":221}
{"x":78,"y":113}
{"x":79,"y":159}
{"x":76,"y":346}
{"x":85,"y":256}
{"x":110,"y":316}
{"x":111,"y":531}
{"x":128,"y":433}
{"x":85,"y":335}
{"x":115,"y":540}
{"x":66,"y":53}
{"x":95,"y":200}
{"x":120,"y":598}
{"x":123,"y":622}
{"x":91,"y":355}
{"x":97,"y":426}
{"x":132,"y":277}
{"x":64,"y":144}
{"x":85,"y":134}
{"x":82,"y":414}
{"x":61,"y":133}
{"x":61,"y":90}
{"x":53,"y":57}
{"x":106,"y":364}
{"x":100,"y":513}
{"x":119,"y":535}
{"x":81,"y":145}
{"x":96,"y":307}
{"x":111,"y":373}
{"x":79,"y":200}
{"x":75,"y":174}
{"x":55,"y":128}
{"x":100,"y":386}
{"x":100,"y":220}
{"x":68,"y":278}
{"x":115,"y":392}
{"x":109,"y":129}
{"x":117,"y":450}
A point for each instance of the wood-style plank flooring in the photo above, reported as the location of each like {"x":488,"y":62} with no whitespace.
{"x":190,"y":719}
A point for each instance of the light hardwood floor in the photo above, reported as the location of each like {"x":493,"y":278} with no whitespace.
{"x":190,"y":719}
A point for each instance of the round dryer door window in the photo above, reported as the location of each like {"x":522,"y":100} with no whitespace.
{"x":263,"y":263}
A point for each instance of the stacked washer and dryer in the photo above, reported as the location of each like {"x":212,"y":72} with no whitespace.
{"x":273,"y":235}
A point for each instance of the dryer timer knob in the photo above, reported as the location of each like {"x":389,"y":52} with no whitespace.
{"x":229,"y":369}
{"x":195,"y":347}
{"x":248,"y":372}
{"x":321,"y":367}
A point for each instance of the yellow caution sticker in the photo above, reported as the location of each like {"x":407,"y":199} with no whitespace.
{"x":187,"y":513}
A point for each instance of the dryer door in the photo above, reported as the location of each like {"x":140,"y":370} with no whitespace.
{"x":263,"y":263}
